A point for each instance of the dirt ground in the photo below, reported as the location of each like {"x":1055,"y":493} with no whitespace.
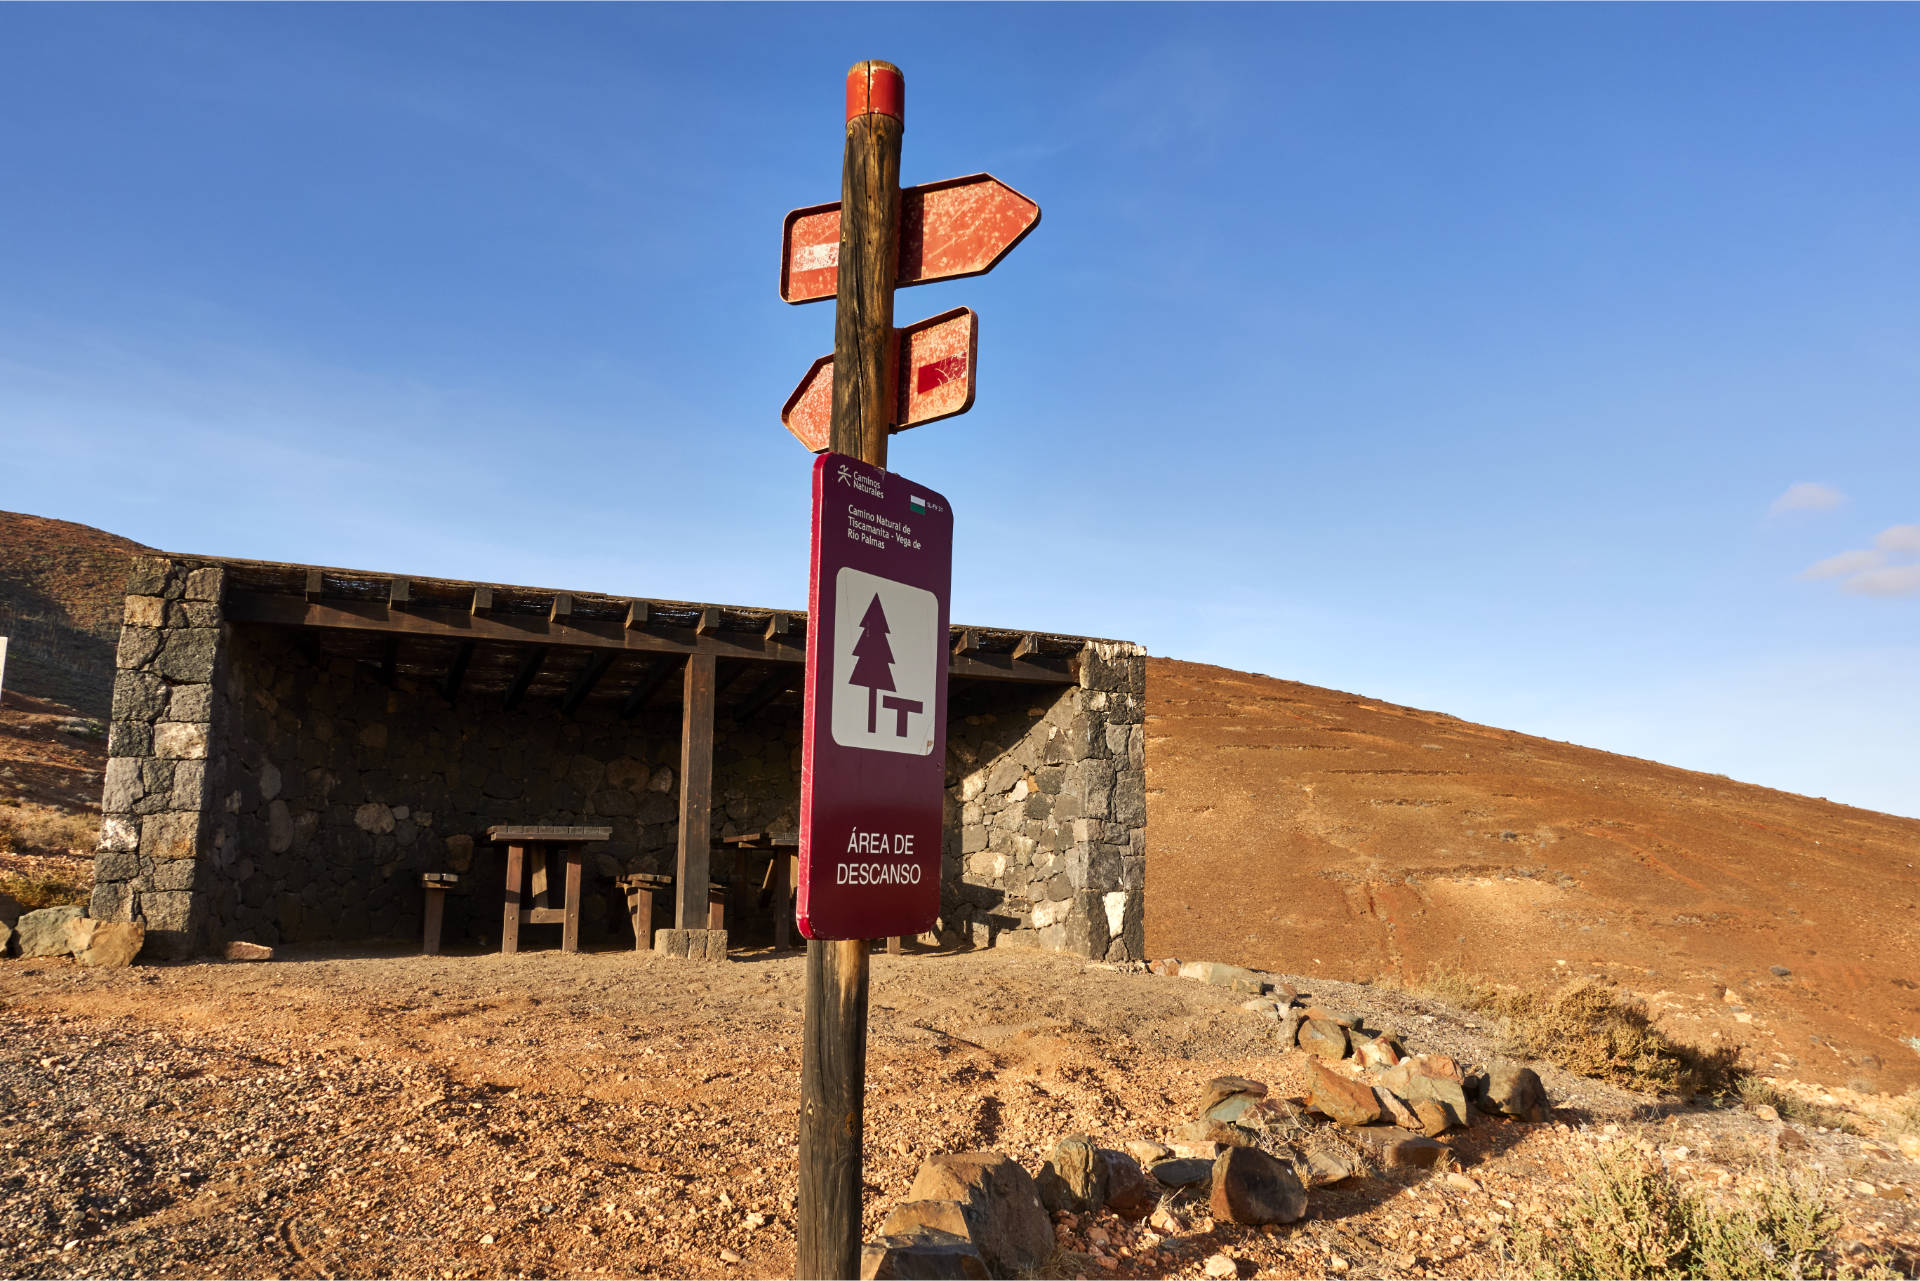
{"x":1298,"y":828}
{"x":620,"y":1114}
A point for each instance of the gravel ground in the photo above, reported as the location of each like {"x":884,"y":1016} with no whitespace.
{"x":620,"y":1114}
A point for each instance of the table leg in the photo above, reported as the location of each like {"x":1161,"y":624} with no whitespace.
{"x":640,"y":908}
{"x":570,"y":924}
{"x":782,"y":899}
{"x":510,"y":915}
{"x":893,"y":947}
{"x":738,"y":891}
{"x":430,"y":933}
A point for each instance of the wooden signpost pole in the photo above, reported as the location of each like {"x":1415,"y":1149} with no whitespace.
{"x":833,"y":1065}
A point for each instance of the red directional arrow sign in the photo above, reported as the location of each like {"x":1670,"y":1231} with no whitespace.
{"x":959,"y":227}
{"x":933,"y":376}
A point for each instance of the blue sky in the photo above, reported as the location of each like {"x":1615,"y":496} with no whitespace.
{"x":1465,"y":357}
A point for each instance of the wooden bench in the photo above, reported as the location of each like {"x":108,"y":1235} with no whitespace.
{"x":534,"y":850}
{"x":436,"y":884}
{"x":643,"y":889}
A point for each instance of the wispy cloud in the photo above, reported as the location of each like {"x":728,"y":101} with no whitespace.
{"x":1807,"y":496}
{"x":1884,"y":569}
{"x":1899,"y":540}
{"x":1895,"y":580}
{"x":1845,"y":564}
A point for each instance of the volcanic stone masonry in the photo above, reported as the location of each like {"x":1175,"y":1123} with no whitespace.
{"x":260,"y":788}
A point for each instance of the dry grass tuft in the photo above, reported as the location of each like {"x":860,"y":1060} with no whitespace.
{"x":1755,"y":1092}
{"x":1588,"y":1027}
{"x":1631,"y":1218}
{"x":26,"y":828}
{"x":35,"y":892}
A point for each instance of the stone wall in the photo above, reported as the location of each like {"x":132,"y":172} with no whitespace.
{"x":259,"y":788}
{"x":1047,"y":817}
{"x":154,"y":838}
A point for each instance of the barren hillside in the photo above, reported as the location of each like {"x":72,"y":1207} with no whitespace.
{"x":1304,"y":829}
{"x":60,"y":593}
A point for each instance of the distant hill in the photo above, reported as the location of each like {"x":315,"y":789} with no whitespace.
{"x":61,"y":586}
{"x":1307,"y":830}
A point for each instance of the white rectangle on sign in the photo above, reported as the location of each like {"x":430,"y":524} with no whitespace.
{"x":887,"y":656}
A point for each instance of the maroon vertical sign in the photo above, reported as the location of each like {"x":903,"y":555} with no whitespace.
{"x":874,"y":756}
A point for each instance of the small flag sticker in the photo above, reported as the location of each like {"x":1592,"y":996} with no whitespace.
{"x":917,"y":504}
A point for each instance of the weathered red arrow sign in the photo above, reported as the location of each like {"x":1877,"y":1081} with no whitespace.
{"x":959,"y":227}
{"x":933,"y":378}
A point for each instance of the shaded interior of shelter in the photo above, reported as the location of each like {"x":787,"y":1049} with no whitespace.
{"x":368,"y":738}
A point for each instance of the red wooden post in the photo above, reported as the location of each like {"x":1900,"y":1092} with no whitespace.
{"x":833,"y":1063}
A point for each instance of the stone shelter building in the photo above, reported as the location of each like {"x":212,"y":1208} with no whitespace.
{"x":293,"y":746}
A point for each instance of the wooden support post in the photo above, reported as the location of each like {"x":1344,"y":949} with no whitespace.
{"x":696,"y":784}
{"x":833,"y":1059}
{"x":510,"y":916}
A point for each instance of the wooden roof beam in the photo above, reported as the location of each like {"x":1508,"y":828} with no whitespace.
{"x":457,"y":673}
{"x":482,"y":602}
{"x":316,"y":584}
{"x":529,"y":668}
{"x":457,"y":624}
{"x":776,"y":683}
{"x":597,"y":665}
{"x":647,"y":686}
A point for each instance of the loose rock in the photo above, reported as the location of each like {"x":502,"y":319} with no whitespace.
{"x":1074,"y":1177}
{"x":1252,"y":1188}
{"x":241,"y":950}
{"x":921,"y":1258}
{"x":1202,"y":1131}
{"x":1516,"y":1091}
{"x":44,"y":933}
{"x":1219,"y":1266}
{"x":80,"y":933}
{"x":1181,"y":1172}
{"x":1225,"y":1087}
{"x":1129,"y":1194}
{"x":1327,"y":1167}
{"x":1324,"y":1038}
{"x":113,"y":944}
{"x":1004,"y":1216}
{"x":1398,"y":1147}
{"x":1351,"y":1103}
{"x":1146,"y":1151}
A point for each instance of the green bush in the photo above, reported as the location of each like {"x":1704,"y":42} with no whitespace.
{"x":1631,"y":1218}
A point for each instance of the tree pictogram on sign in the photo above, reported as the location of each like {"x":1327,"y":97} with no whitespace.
{"x":873,"y":668}
{"x":873,"y":665}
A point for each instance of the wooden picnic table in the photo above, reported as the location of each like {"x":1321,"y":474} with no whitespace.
{"x":782,"y":857}
{"x":534,"y":850}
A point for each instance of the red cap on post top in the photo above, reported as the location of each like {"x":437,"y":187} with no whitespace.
{"x":876,"y":88}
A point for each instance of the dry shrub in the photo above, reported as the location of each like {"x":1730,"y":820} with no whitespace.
{"x":44,"y":829}
{"x":1588,"y":1027}
{"x":1755,"y":1092}
{"x":1631,"y":1218}
{"x":35,"y":892}
{"x":1591,"y":1028}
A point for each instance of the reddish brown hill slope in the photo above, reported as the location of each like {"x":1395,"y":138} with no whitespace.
{"x":60,"y":594}
{"x":1312,"y":831}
